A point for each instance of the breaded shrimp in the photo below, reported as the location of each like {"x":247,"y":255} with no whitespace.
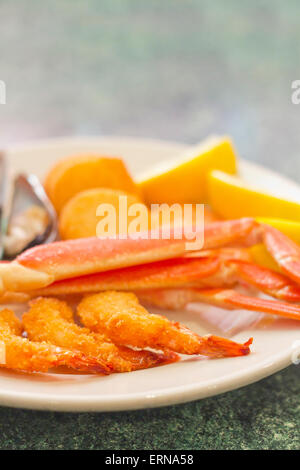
{"x":23,"y":355}
{"x":51,"y":320}
{"x":120,"y":316}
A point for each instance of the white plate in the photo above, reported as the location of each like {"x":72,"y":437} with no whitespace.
{"x":274,"y":344}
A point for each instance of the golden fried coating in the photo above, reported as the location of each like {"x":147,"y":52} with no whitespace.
{"x":20,"y":354}
{"x":8,"y":320}
{"x":120,"y":316}
{"x":51,"y":320}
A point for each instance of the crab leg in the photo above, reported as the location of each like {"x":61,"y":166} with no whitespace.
{"x":231,"y":299}
{"x":228,"y":299}
{"x":169,"y":273}
{"x":169,"y":299}
{"x":44,"y":264}
{"x":266,"y":280}
{"x":40,"y":266}
{"x":73,"y":258}
{"x":14,"y":277}
{"x":181,"y":272}
{"x":284,"y":251}
{"x":236,"y":265}
{"x":223,"y":254}
{"x":120,"y":316}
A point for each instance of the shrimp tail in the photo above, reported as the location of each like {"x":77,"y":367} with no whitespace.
{"x":215,"y":346}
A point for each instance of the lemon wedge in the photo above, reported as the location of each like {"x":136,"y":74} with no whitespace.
{"x":184,"y":181}
{"x":290,"y":228}
{"x":260,"y":254}
{"x":230,"y":198}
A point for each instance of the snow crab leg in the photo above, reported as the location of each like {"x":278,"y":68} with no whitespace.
{"x":90,"y":265}
{"x":283,"y":250}
{"x":176,"y":299}
{"x":45,"y":264}
{"x":176,"y":272}
{"x":181,"y":272}
{"x":215,"y":272}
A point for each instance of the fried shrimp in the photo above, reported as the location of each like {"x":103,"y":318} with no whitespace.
{"x":23,"y":355}
{"x":51,"y":320}
{"x":120,"y":316}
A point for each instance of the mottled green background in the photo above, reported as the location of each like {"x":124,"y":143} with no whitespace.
{"x":173,"y":69}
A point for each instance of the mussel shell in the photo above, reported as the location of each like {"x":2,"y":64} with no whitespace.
{"x":28,"y":192}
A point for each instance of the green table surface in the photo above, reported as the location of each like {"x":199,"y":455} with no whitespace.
{"x":169,"y":69}
{"x":260,"y":416}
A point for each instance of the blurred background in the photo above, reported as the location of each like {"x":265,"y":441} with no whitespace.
{"x":171,"y":69}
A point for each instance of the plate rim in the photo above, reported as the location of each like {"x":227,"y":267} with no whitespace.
{"x":169,"y":397}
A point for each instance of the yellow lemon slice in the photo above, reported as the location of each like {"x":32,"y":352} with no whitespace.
{"x":261,"y":256}
{"x":230,"y":198}
{"x":184,"y":181}
{"x":290,"y":228}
